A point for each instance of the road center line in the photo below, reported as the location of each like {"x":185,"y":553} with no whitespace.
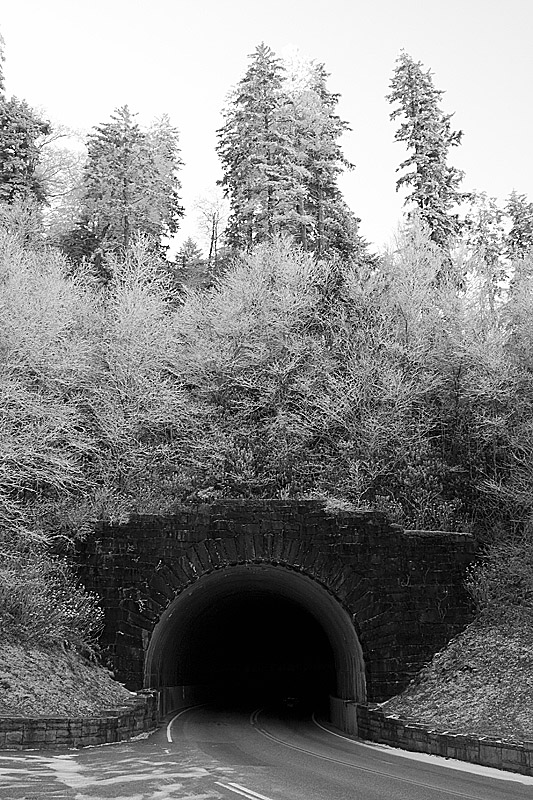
{"x":242,"y":790}
{"x":353,"y":766}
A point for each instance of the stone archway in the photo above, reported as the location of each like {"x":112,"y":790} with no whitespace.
{"x":260,"y":603}
{"x":352,"y":580}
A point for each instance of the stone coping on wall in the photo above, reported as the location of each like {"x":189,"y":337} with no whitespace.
{"x":376,"y":726}
{"x":138,"y":715}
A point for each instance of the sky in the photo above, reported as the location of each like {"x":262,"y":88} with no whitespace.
{"x":78,"y":61}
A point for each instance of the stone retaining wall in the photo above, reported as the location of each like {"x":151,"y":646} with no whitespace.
{"x":376,"y":726}
{"x":50,"y":733}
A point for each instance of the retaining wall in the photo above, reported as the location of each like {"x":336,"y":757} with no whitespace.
{"x":50,"y":733}
{"x":376,"y":726}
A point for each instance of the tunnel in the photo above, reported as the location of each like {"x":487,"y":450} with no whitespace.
{"x":257,"y":633}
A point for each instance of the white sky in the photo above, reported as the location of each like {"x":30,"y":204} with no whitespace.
{"x":80,"y":60}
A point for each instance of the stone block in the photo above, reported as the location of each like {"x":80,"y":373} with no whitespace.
{"x":217,"y":556}
{"x":239,"y":541}
{"x":185,"y":565}
{"x":267,"y":540}
{"x":195,"y":563}
{"x":490,"y":753}
{"x":258,"y":543}
{"x":277,"y":546}
{"x":528,"y":753}
{"x":513,"y":756}
{"x":229,"y":547}
{"x":203,"y":556}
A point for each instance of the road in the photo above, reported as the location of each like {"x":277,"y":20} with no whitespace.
{"x":208,"y":753}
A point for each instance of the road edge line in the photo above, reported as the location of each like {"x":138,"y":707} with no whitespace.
{"x":179,"y":714}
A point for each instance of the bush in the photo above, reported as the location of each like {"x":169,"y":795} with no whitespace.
{"x":41,"y":601}
{"x":502,"y":581}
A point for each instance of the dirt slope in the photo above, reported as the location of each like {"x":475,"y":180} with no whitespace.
{"x":54,"y":682}
{"x":482,"y":683}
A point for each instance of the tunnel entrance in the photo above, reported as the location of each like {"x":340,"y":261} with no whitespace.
{"x":255,"y":633}
{"x":257,"y":646}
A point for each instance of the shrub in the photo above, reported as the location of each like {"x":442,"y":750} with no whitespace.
{"x":41,"y":602}
{"x":502,"y":581}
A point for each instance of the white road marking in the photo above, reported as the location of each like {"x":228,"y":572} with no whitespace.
{"x":349,"y":764}
{"x":183,"y":711}
{"x":429,"y":758}
{"x":242,"y":790}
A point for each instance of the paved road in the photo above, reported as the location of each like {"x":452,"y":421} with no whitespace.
{"x":206,"y":753}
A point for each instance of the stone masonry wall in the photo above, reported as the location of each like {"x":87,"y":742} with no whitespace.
{"x":50,"y":733}
{"x":403,"y":589}
{"x":376,"y":726}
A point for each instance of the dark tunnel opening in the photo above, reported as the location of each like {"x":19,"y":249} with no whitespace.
{"x":256,"y":632}
{"x":255,"y":646}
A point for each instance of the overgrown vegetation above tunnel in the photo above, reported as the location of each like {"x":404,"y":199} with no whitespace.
{"x":383,"y":387}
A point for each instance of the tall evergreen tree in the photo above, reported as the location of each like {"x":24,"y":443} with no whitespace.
{"x":255,"y":153}
{"x":20,"y":130}
{"x":130,"y":186}
{"x":281,"y":156}
{"x":326,"y":223}
{"x":163,"y":140}
{"x":428,"y":136}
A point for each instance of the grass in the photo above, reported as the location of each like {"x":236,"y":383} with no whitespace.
{"x":481,"y":684}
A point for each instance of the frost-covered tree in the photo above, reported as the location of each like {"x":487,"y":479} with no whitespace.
{"x":520,"y":238}
{"x":281,"y":154}
{"x":432,"y":184}
{"x":326,"y":225}
{"x":20,"y":130}
{"x":130,"y":186}
{"x":484,"y":234}
{"x":212,"y":214}
{"x":256,"y":154}
{"x":189,"y":254}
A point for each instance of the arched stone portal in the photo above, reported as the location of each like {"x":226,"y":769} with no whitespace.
{"x":377,"y":600}
{"x":259,"y":628}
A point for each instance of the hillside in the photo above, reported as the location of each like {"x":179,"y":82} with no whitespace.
{"x":482,"y":683}
{"x":50,"y":681}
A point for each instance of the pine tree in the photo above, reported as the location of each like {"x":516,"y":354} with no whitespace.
{"x":130,"y":186}
{"x":326,"y":223}
{"x":20,"y":130}
{"x":163,"y":140}
{"x":255,"y":153}
{"x":281,"y":155}
{"x":427,"y":133}
{"x":189,"y":254}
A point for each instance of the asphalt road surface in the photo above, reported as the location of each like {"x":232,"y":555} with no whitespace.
{"x":208,"y":753}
